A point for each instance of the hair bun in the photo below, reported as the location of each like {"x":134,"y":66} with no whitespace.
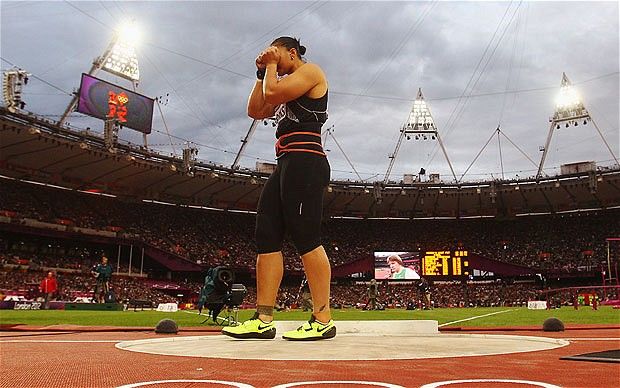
{"x":302,"y":50}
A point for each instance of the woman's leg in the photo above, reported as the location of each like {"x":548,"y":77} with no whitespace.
{"x":269,"y":271}
{"x":318,"y":271}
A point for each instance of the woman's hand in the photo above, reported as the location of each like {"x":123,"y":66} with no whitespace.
{"x":271,"y":55}
{"x":259,"y":62}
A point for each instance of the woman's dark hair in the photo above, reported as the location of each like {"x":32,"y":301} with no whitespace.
{"x":290,"y":43}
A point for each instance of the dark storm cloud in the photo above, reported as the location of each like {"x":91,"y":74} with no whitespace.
{"x":369,"y":50}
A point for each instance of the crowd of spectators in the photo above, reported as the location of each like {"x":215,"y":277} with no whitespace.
{"x":444,"y":294}
{"x":72,"y":286}
{"x":563,"y":242}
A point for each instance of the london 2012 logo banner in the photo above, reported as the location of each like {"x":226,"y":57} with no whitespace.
{"x":107,"y":101}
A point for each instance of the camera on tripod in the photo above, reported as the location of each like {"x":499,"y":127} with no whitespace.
{"x":219,"y":292}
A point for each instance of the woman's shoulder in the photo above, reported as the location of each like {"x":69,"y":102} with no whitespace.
{"x":312,"y":68}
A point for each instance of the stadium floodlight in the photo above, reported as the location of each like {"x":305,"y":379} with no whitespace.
{"x":119,"y":58}
{"x":129,"y":33}
{"x":567,"y":98}
{"x":570,"y":111}
{"x":568,"y":105}
{"x":12,"y":84}
{"x":421,"y":125}
{"x":123,"y":60}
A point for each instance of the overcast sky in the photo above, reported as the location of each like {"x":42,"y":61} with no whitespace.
{"x":375,"y":54}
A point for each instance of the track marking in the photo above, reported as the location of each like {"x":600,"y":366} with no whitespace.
{"x":373,"y":383}
{"x":592,"y":339}
{"x":472,"y":318}
{"x":526,"y":382}
{"x":61,"y":341}
{"x":230,"y":383}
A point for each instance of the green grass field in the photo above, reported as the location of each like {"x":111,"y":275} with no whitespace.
{"x":502,"y":316}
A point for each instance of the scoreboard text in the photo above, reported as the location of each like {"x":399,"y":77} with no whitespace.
{"x":445,"y":263}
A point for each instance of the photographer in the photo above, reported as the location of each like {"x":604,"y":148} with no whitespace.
{"x":372,"y":295}
{"x":425,"y":290}
{"x":48,"y":287}
{"x":103,"y":274}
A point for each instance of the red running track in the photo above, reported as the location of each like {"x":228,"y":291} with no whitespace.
{"x":39,"y":359}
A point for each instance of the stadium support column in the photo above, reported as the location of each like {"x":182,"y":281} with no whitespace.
{"x":420,"y":126}
{"x":545,"y":149}
{"x":130,"y":257}
{"x":445,"y":153}
{"x":569,"y":111}
{"x":118,"y":259}
{"x":244,"y":143}
{"x":142,"y":262}
{"x":96,"y":66}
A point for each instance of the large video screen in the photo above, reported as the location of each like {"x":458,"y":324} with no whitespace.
{"x":397,"y":265}
{"x":105,"y":101}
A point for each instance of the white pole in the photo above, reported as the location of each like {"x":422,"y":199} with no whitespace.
{"x":118,"y":259}
{"x":608,"y":261}
{"x":130,"y":257}
{"x":142,"y":262}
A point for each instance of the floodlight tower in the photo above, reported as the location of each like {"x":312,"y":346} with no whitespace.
{"x":12,"y":84}
{"x":570,"y":111}
{"x":119,"y":58}
{"x":189,"y":159}
{"x":421,"y":125}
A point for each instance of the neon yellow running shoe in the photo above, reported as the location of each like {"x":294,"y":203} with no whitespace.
{"x":253,"y":328}
{"x":312,"y":331}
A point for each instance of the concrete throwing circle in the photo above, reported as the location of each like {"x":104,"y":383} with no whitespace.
{"x":502,"y":382}
{"x":344,"y":347}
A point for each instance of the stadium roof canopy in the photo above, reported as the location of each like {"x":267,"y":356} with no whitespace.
{"x":36,"y":149}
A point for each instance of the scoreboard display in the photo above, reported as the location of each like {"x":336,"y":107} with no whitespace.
{"x":445,"y":263}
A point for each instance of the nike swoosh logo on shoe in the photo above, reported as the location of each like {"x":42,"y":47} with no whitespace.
{"x":263,"y":327}
{"x":320,"y":330}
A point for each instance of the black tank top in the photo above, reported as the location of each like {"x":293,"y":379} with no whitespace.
{"x":304,"y":114}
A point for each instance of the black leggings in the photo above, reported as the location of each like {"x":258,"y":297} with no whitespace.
{"x":292,"y":202}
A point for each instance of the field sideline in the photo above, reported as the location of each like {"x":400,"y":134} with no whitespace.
{"x":463,"y":317}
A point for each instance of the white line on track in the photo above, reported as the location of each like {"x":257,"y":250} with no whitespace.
{"x":592,"y":339}
{"x":476,"y":317}
{"x":61,"y":341}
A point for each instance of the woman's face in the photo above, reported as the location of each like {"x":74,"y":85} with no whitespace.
{"x":286,"y":63}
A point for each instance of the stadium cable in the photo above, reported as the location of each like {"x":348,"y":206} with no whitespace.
{"x":414,"y":27}
{"x":40,"y":79}
{"x":331,"y":133}
{"x":344,"y":171}
{"x":198,"y":113}
{"x":485,"y":94}
{"x":187,"y":105}
{"x":452,"y":119}
{"x":156,"y":68}
{"x":449,"y":125}
{"x":155,"y":130}
{"x":498,"y":131}
{"x":406,"y":38}
{"x":255,"y":42}
{"x":174,"y":152}
{"x":86,"y":14}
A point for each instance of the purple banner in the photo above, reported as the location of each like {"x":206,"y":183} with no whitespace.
{"x":105,"y":101}
{"x":29,"y":305}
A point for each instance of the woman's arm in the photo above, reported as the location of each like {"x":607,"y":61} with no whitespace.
{"x":257,"y":107}
{"x":300,"y":82}
{"x":277,"y":91}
